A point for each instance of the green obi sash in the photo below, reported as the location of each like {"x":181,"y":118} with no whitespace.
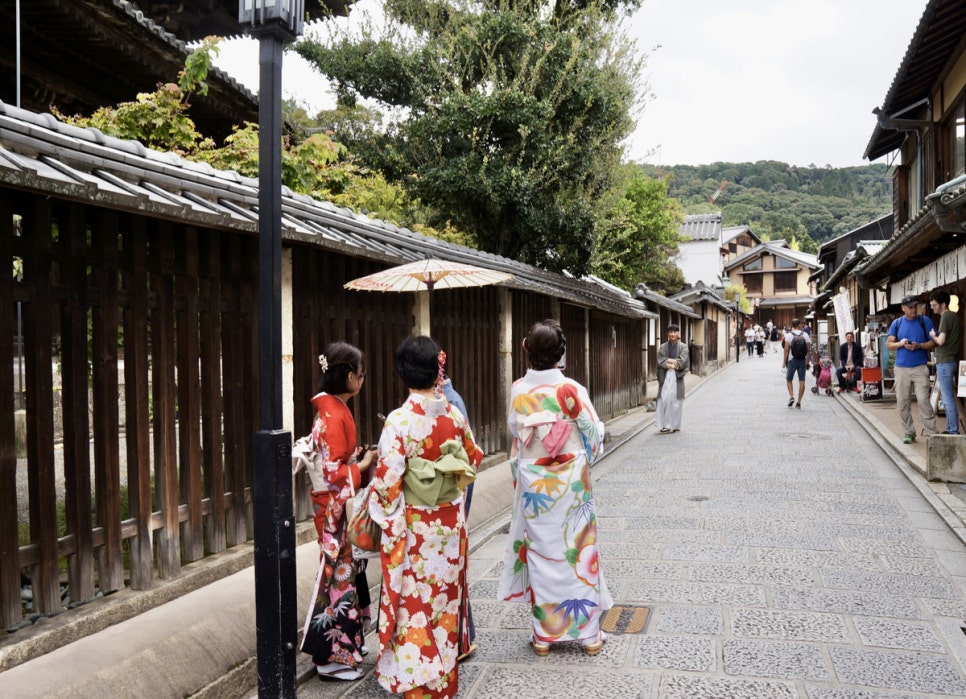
{"x":430,"y":483}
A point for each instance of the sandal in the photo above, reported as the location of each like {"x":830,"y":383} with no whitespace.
{"x":337,"y":671}
{"x":540,"y":648}
{"x":468,"y":653}
{"x":593,"y":649}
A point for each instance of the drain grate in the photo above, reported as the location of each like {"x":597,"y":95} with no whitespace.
{"x":621,"y":620}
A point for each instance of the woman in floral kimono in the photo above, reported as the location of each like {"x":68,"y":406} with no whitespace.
{"x":426,"y":456}
{"x":334,"y":631}
{"x":552,"y":560}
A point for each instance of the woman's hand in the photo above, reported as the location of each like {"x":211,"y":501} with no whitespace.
{"x":367,"y":457}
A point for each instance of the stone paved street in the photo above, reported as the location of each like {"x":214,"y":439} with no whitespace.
{"x":782,"y":553}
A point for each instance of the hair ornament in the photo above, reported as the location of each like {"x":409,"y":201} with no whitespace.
{"x":324,"y":363}
{"x":441,"y":360}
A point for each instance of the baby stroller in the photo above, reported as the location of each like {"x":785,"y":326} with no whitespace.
{"x":823,"y":381}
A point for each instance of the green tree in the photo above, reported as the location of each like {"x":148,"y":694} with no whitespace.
{"x":508,"y":115}
{"x":639,"y":241}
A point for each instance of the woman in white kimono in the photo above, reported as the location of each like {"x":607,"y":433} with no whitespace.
{"x":552,"y":561}
{"x":672,"y":365}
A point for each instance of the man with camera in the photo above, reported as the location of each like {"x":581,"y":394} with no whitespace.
{"x":909,"y":337}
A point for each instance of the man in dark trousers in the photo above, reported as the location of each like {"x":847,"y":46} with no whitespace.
{"x":850,"y":362}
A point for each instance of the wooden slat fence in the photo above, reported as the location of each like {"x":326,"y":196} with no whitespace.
{"x":466,"y":323}
{"x":169,"y":309}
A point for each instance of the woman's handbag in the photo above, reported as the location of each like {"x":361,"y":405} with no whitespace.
{"x":364,"y":533}
{"x":306,"y":455}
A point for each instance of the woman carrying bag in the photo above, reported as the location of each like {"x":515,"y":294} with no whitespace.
{"x":427,"y":456}
{"x":334,"y":632}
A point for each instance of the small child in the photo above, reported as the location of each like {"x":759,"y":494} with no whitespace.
{"x":824,"y":378}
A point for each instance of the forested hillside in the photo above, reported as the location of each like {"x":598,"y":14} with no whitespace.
{"x":804,"y":205}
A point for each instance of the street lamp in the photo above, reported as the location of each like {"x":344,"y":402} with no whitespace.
{"x":274,"y":23}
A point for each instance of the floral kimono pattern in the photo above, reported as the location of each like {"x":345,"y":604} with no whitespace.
{"x":422,"y":611}
{"x":334,"y":630}
{"x":552,"y":561}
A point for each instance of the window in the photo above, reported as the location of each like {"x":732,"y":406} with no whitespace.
{"x":753,"y":265}
{"x":956,"y":142}
{"x":786,"y":281}
{"x":752,"y":283}
{"x":782,"y":263}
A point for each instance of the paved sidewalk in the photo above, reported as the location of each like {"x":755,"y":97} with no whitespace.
{"x":781,"y":552}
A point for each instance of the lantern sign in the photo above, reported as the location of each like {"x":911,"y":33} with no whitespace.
{"x":284,"y":14}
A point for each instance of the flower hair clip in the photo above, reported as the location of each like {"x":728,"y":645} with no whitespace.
{"x":441,"y":377}
{"x":324,"y":363}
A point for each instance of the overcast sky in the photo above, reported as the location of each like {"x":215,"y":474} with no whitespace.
{"x":733,"y":80}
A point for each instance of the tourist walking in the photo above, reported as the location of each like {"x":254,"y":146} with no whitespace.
{"x":795,"y":360}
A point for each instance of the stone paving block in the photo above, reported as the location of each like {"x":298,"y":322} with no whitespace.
{"x":918,"y":672}
{"x":487,"y":613}
{"x":845,"y":602}
{"x":789,"y":626}
{"x":787,"y":660}
{"x":953,"y":632}
{"x":946,"y":607}
{"x":774,"y":575}
{"x":897,"y":548}
{"x":695,"y":654}
{"x":942,"y":539}
{"x":953,"y":562}
{"x":804,"y":557}
{"x":836,"y":693}
{"x":665,"y":522}
{"x":743,"y":522}
{"x":868,"y":520}
{"x":515,"y":616}
{"x":615,"y":568}
{"x":501,"y":647}
{"x":696,"y":620}
{"x":660,"y":592}
{"x":904,"y":635}
{"x":689,"y":552}
{"x":518,"y":682}
{"x":493,"y":571}
{"x":842,"y":531}
{"x":891,"y":583}
{"x":911,"y":566}
{"x":688,"y":687}
{"x":791,"y":541}
{"x":683,"y":536}
{"x":646,"y":552}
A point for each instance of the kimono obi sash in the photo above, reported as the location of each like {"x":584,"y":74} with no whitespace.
{"x":429,"y":483}
{"x":549,"y":428}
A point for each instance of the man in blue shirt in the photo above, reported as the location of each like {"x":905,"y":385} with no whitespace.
{"x":909,"y":337}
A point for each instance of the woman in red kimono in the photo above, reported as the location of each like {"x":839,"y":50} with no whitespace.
{"x":422,"y":613}
{"x":334,"y":632}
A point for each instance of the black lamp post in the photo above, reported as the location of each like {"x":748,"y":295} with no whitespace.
{"x":274,"y":23}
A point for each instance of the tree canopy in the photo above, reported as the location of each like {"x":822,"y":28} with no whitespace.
{"x":503,"y":117}
{"x":804,"y":205}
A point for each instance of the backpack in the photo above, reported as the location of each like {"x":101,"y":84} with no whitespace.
{"x":799,"y":347}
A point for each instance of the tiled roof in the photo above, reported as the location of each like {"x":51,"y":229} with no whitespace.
{"x":701,"y":227}
{"x":40,"y":154}
{"x":936,"y":38}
